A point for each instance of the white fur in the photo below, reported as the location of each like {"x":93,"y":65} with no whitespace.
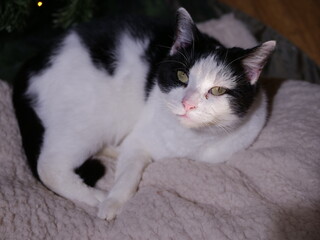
{"x":203,"y":76}
{"x":211,"y":133}
{"x":158,"y":134}
{"x":84,"y":109}
{"x":75,"y":104}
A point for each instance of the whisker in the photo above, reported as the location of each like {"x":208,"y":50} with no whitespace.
{"x":173,"y":61}
{"x":224,"y":128}
{"x":184,"y":56}
{"x":237,"y":59}
{"x":163,"y":46}
{"x":171,"y":105}
{"x":192,"y":46}
{"x":225,"y":57}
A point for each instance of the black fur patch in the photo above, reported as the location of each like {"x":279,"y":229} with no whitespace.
{"x":241,"y":97}
{"x":100,"y":37}
{"x":91,"y":171}
{"x":30,"y":125}
{"x":183,"y":60}
{"x":159,"y":48}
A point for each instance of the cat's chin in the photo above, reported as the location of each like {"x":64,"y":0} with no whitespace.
{"x":188,"y":122}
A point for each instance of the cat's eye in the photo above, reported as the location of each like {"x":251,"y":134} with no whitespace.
{"x":182,"y":76}
{"x":218,"y":91}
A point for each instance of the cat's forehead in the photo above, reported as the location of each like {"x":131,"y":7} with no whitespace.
{"x":210,"y":71}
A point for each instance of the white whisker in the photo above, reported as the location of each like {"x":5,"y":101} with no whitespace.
{"x":173,"y":61}
{"x":244,"y":56}
{"x":184,"y":56}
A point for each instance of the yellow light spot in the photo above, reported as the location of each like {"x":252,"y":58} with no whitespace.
{"x":39,"y":4}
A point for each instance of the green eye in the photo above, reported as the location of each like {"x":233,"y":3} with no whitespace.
{"x":182,"y":76}
{"x":218,"y":91}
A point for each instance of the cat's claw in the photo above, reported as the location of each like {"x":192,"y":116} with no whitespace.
{"x":109,"y":209}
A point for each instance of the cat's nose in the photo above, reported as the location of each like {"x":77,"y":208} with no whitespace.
{"x":188,"y":106}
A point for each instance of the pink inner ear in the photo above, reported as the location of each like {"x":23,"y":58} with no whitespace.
{"x":174,"y":48}
{"x":253,"y":74}
{"x":254,"y":62}
{"x":178,"y":45}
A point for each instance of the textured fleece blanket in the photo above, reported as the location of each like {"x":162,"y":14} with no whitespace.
{"x":269,"y":191}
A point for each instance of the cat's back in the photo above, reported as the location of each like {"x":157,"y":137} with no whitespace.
{"x":96,"y":70}
{"x":109,"y":39}
{"x":110,"y":49}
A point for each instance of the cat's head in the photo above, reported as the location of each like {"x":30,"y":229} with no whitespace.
{"x":204,"y":83}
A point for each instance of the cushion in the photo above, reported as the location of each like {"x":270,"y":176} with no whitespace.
{"x":268,"y":191}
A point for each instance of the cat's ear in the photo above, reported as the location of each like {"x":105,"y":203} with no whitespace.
{"x":256,"y":60}
{"x":184,"y":32}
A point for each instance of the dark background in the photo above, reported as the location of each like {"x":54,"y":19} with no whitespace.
{"x":25,"y":28}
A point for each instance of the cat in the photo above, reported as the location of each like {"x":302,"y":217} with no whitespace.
{"x":153,"y":91}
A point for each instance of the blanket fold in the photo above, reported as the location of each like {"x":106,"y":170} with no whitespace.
{"x":269,"y":191}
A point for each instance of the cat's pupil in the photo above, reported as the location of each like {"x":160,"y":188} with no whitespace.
{"x":182,"y":76}
{"x":218,"y":91}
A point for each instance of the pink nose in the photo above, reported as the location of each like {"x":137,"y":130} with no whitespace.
{"x":188,"y":106}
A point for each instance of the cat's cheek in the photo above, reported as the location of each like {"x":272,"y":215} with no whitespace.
{"x":186,"y":122}
{"x":175,"y":106}
{"x":191,"y":120}
{"x":175,"y":109}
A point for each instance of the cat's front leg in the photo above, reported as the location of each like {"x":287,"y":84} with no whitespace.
{"x":129,"y":171}
{"x":108,"y":152}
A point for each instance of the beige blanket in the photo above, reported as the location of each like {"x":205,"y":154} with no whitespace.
{"x":269,"y":191}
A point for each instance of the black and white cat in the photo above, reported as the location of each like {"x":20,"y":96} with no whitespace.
{"x":152,"y":91}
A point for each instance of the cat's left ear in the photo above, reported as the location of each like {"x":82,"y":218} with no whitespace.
{"x":185,"y":31}
{"x":256,"y":60}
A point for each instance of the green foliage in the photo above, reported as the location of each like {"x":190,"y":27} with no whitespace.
{"x":154,"y":7}
{"x":14,"y":14}
{"x":74,"y":11}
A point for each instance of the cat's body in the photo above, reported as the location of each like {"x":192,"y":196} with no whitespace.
{"x":145,"y":89}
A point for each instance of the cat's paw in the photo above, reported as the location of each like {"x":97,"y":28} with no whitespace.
{"x":99,"y":195}
{"x":93,"y":197}
{"x":109,"y":209}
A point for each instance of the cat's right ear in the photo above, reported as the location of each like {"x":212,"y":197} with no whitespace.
{"x":254,"y":62}
{"x":185,"y":31}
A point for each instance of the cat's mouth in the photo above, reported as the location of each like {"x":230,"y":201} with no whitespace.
{"x":189,"y":121}
{"x":186,"y":120}
{"x":185,"y":115}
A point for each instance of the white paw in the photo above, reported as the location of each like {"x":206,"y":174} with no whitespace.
{"x":94,"y":197}
{"x":109,"y":209}
{"x":99,"y":195}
